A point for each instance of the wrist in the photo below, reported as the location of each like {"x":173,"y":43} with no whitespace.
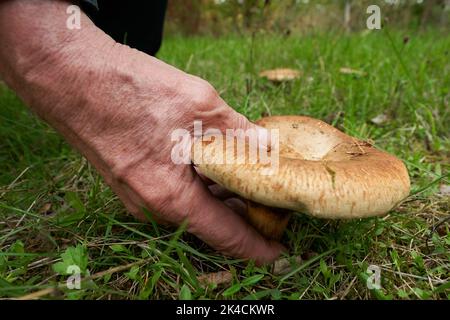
{"x":41,"y":59}
{"x":55,"y":70}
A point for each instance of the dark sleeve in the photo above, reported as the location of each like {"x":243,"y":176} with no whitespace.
{"x":137,"y":23}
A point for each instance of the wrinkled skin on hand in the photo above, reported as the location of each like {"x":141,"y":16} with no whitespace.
{"x":118,"y":107}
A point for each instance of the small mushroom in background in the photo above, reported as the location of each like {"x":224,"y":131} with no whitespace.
{"x":345,"y":70}
{"x":280,"y":75}
{"x":321,"y":172}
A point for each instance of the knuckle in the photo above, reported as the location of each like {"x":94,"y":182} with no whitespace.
{"x":155,"y":197}
{"x":234,"y":120}
{"x":241,"y":121}
{"x":204,"y":95}
{"x":168,"y":202}
{"x":120,"y":174}
{"x":237,"y":245}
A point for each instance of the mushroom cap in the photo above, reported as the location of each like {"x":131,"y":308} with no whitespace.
{"x":321,"y":171}
{"x":280,"y":74}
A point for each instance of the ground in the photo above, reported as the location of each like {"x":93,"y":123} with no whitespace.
{"x":55,"y":211}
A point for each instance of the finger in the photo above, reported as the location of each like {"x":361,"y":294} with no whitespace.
{"x":136,"y":205}
{"x":237,"y":205}
{"x":235,"y":120}
{"x":216,"y":224}
{"x":130,"y":205}
{"x":204,"y":178}
{"x":220,"y":192}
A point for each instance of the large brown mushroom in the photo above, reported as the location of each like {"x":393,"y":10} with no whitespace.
{"x":321,"y":172}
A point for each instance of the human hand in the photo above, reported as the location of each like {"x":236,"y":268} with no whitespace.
{"x":119,"y":107}
{"x":138,"y":146}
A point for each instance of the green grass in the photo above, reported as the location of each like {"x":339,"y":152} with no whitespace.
{"x":56,"y":211}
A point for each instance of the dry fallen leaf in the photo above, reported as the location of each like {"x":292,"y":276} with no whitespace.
{"x":283,"y":266}
{"x":279,"y":267}
{"x":345,"y":70}
{"x":46,"y":208}
{"x":216,"y":278}
{"x":280,"y":74}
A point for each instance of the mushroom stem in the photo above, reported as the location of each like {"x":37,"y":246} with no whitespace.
{"x":268,"y":221}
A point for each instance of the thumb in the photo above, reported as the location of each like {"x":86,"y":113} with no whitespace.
{"x":235,"y":120}
{"x":222,"y":228}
